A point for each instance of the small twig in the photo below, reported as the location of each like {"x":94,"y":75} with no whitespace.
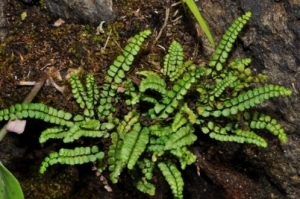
{"x":106,"y":42}
{"x":165,"y":22}
{"x":59,"y":88}
{"x":174,"y":20}
{"x":161,"y":47}
{"x":102,"y":179}
{"x":19,"y":125}
{"x":175,"y":4}
{"x":99,"y":28}
{"x":26,"y":83}
{"x":37,"y":87}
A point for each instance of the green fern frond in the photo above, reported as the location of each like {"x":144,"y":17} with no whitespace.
{"x":173,"y":177}
{"x":240,"y":67}
{"x":115,"y":158}
{"x":240,"y":136}
{"x":244,"y":72}
{"x":132,"y":92}
{"x":88,"y":128}
{"x":203,"y":91}
{"x":92,"y":89}
{"x":90,"y":124}
{"x":52,"y":133}
{"x":262,"y":121}
{"x":147,"y":167}
{"x":114,"y":161}
{"x":192,"y":117}
{"x":209,"y":128}
{"x":134,"y":145}
{"x":160,"y":131}
{"x":92,"y":95}
{"x":154,"y":83}
{"x":127,"y":123}
{"x":147,"y":98}
{"x":187,"y":65}
{"x":126,"y":151}
{"x":86,"y":96}
{"x":147,"y":73}
{"x":245,"y":76}
{"x":251,"y":137}
{"x":79,"y":155}
{"x":122,"y":64}
{"x":184,"y":116}
{"x":157,"y":144}
{"x":185,"y":156}
{"x":230,"y":133}
{"x":158,"y":137}
{"x":158,"y":140}
{"x":174,"y":96}
{"x":222,"y":85}
{"x":116,"y":73}
{"x":146,"y":187}
{"x":182,"y":137}
{"x":173,"y":59}
{"x":37,"y":111}
{"x":107,"y":95}
{"x":250,"y":98}
{"x":78,"y":90}
{"x":226,"y":43}
{"x":179,"y":120}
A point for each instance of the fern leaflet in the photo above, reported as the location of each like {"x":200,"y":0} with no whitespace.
{"x":173,"y":177}
{"x":134,"y":145}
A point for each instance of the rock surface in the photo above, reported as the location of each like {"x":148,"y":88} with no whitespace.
{"x":272,"y":40}
{"x":82,"y":11}
{"x":78,"y":11}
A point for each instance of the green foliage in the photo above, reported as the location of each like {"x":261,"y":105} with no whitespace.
{"x":173,"y":59}
{"x":195,"y":11}
{"x":182,"y":137}
{"x":86,"y":98}
{"x":37,"y":111}
{"x":146,"y":166}
{"x":79,"y":155}
{"x":9,"y":186}
{"x":126,"y":147}
{"x":156,"y":129}
{"x":135,"y":143}
{"x":116,"y":73}
{"x":173,"y":177}
{"x":155,"y":83}
{"x":226,"y":43}
{"x":146,"y":187}
{"x":262,"y":121}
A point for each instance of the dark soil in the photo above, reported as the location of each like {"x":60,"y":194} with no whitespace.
{"x":34,"y":45}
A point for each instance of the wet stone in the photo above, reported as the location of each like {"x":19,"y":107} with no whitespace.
{"x":82,"y":11}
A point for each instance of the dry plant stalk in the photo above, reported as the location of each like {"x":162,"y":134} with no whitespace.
{"x":18,"y":126}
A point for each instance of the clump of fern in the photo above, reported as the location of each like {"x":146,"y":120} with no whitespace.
{"x":226,"y":92}
{"x":160,"y":137}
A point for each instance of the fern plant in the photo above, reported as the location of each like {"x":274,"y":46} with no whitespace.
{"x":158,"y":128}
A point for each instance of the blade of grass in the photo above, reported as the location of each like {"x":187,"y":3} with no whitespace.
{"x":195,"y":11}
